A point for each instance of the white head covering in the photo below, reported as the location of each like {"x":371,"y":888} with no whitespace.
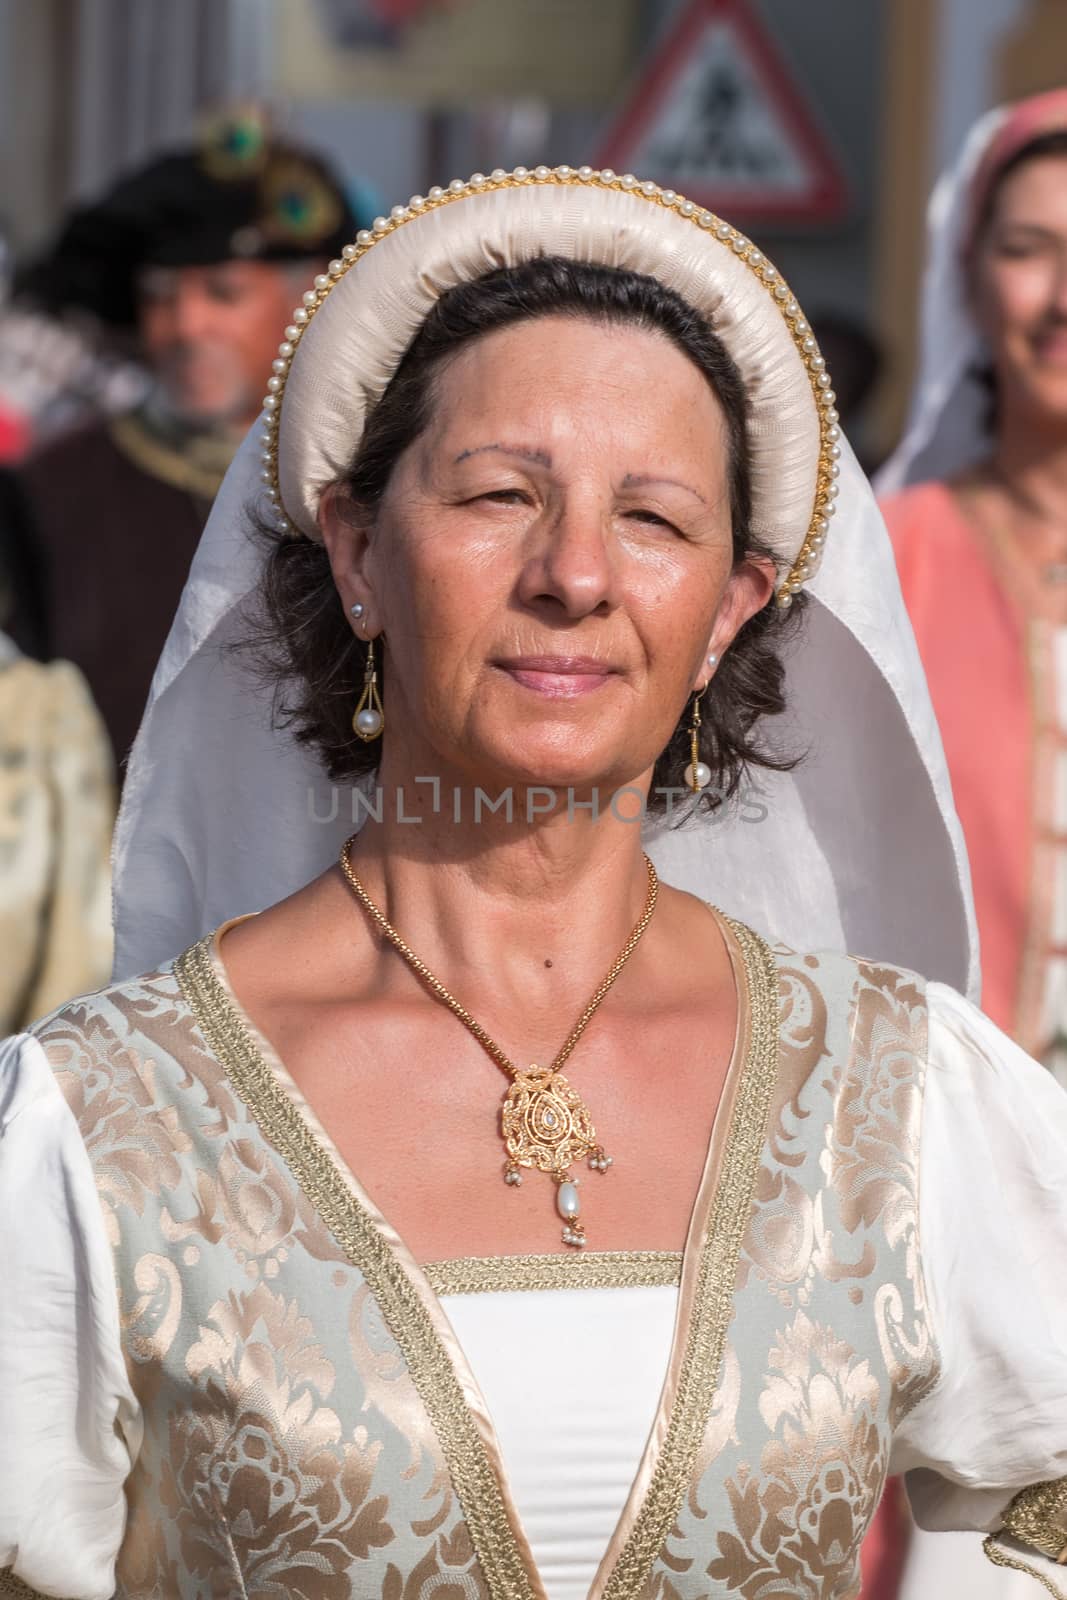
{"x":945,"y":431}
{"x":947,"y":427}
{"x":858,"y":848}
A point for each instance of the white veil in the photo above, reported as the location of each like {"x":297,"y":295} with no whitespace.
{"x":858,"y":848}
{"x":945,"y":432}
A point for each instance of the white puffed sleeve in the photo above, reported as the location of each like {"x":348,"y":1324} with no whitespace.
{"x":69,"y":1422}
{"x":993,"y":1239}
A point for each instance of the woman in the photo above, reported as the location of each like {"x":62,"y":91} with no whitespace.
{"x":987,"y":458}
{"x":550,"y":442}
{"x":57,"y":810}
{"x":985,"y":465}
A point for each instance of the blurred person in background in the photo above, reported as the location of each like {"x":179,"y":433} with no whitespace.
{"x":57,"y":800}
{"x":201,"y":256}
{"x":57,"y":807}
{"x":59,"y":364}
{"x":978,"y":491}
{"x":975,"y":499}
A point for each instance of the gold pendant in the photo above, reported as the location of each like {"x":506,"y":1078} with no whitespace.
{"x":545,"y":1124}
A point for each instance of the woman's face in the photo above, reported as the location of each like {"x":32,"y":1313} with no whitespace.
{"x":1020,"y":289}
{"x":552,"y":560}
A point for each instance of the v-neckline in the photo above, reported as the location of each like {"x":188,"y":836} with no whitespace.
{"x":417,"y":1318}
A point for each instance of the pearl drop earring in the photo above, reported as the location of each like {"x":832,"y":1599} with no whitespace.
{"x":368,"y":719}
{"x":697,"y":773}
{"x":357,"y":610}
{"x":712,"y":659}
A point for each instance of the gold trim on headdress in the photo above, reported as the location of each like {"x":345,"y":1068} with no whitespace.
{"x":806,"y":561}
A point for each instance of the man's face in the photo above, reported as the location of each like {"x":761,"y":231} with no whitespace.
{"x":211,"y":333}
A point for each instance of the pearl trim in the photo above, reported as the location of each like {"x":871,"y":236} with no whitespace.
{"x":806,"y":562}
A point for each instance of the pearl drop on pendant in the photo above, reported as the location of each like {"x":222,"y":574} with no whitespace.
{"x":567,"y":1201}
{"x":369,"y":723}
{"x":697,"y":777}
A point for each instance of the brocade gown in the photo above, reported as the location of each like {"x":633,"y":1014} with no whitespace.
{"x":222,"y":1373}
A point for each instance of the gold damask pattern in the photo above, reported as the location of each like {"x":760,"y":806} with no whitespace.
{"x":830,"y":1268}
{"x":490,"y":1528}
{"x":593,"y":1269}
{"x":284,"y":1450}
{"x":256,"y":1361}
{"x":363,"y":1243}
{"x":713,"y":1310}
{"x":306,"y":1432}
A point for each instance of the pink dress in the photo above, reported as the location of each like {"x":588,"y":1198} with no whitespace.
{"x":998,"y":680}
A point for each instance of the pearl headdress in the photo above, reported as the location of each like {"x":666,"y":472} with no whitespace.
{"x":363,"y":312}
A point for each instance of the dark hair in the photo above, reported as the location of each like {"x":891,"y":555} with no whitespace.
{"x":1042,"y":145}
{"x":302,"y":639}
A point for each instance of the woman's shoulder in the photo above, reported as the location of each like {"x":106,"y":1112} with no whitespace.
{"x":879,"y":1002}
{"x":846,"y":971}
{"x":922,"y":503}
{"x":925,"y":520}
{"x":132,"y":1066}
{"x":38,"y":694}
{"x":89,"y":1059}
{"x":850,"y":1010}
{"x":131,"y":999}
{"x":138,"y":1030}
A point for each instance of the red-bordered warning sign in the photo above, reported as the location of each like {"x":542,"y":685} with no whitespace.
{"x":719,"y":116}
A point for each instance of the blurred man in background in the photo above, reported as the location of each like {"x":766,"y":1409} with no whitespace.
{"x":200,"y":257}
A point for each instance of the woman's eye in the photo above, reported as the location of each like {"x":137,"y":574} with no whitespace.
{"x":653,"y":518}
{"x":1018,"y":249}
{"x":506,"y":497}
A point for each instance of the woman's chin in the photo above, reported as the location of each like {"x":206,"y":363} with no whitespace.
{"x":549,"y":767}
{"x":1042,"y":395}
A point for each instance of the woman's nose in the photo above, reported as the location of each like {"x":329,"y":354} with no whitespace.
{"x":574,"y":564}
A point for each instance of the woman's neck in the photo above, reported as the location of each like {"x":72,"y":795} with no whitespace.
{"x":1030,"y":464}
{"x":542,"y":906}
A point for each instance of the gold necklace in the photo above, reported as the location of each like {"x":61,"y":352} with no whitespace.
{"x":544,"y":1122}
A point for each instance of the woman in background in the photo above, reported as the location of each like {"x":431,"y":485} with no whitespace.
{"x":57,"y":805}
{"x":985,"y":465}
{"x":978,"y":490}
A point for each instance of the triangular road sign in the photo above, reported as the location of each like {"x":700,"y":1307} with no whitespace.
{"x":719,"y":117}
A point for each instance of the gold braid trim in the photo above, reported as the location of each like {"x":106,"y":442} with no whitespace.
{"x":355,"y":1231}
{"x":198,"y":470}
{"x":717,"y":1273}
{"x":9,"y":1584}
{"x":1036,"y":1517}
{"x":432,"y":1372}
{"x":603,"y":1269}
{"x":997,"y":1553}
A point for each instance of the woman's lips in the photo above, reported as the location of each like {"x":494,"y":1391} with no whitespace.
{"x":558,"y":677}
{"x":1052,"y":347}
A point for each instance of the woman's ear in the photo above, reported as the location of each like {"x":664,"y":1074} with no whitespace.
{"x":748,"y":589}
{"x":345,"y":529}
